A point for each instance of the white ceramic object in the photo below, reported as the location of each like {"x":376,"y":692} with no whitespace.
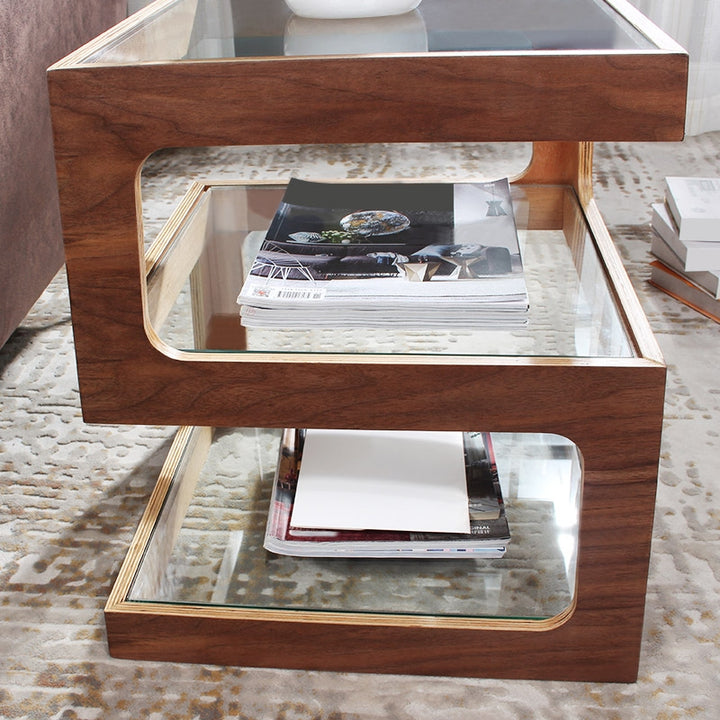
{"x":342,"y":9}
{"x":404,"y":33}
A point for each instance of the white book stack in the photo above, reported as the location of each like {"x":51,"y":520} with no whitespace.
{"x":686,"y":243}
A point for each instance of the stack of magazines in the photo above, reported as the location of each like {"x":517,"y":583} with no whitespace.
{"x":388,"y":255}
{"x":487,"y":532}
{"x":686,"y":243}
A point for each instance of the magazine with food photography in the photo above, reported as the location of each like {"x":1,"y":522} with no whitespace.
{"x":489,"y":531}
{"x":376,"y":254}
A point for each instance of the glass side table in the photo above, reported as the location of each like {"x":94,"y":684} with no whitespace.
{"x":189,"y":73}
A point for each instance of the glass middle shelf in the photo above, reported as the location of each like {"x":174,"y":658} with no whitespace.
{"x":197,"y":264}
{"x":205,"y":540}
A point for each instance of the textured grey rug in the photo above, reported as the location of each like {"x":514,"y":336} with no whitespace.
{"x":72,"y":495}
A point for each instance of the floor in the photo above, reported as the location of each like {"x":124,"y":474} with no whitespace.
{"x":72,"y":495}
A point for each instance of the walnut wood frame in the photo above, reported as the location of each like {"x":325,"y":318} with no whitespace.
{"x":108,"y":118}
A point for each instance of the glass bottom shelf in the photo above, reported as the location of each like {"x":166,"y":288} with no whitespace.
{"x":203,"y":542}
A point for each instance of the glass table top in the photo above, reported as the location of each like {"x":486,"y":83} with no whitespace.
{"x":205,"y":29}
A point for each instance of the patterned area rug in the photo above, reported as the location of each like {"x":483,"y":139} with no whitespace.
{"x":72,"y":495}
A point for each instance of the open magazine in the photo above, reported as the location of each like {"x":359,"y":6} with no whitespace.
{"x":489,"y":531}
{"x":388,"y":254}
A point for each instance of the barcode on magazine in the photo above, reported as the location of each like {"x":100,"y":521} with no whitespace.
{"x":290,"y":293}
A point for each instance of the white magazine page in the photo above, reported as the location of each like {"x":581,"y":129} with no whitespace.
{"x":382,"y":480}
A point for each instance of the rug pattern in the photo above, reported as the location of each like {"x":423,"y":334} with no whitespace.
{"x":72,"y":495}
